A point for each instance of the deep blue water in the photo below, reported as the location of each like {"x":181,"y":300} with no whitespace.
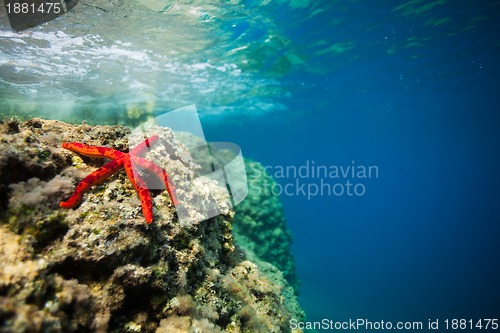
{"x":424,"y":241}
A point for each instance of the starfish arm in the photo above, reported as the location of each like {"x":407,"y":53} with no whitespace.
{"x":141,"y":147}
{"x":160,"y":173}
{"x":92,"y":151}
{"x":141,"y":189}
{"x":94,"y":178}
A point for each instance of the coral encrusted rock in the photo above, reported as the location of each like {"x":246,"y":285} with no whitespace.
{"x":100,"y":267}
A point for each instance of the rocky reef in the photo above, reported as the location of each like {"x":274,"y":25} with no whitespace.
{"x":263,"y":231}
{"x":101,"y":267}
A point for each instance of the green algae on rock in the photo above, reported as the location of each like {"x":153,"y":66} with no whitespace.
{"x":101,"y":268}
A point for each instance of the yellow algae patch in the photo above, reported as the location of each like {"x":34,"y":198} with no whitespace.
{"x":475,"y":19}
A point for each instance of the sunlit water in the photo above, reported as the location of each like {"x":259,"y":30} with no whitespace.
{"x":411,"y":87}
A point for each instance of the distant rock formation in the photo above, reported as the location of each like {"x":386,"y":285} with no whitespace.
{"x":100,"y":267}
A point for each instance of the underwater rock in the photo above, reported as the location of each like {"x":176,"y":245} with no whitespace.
{"x":101,"y":267}
{"x":263,"y":232}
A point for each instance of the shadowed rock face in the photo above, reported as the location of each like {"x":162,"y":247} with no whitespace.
{"x":100,"y":267}
{"x":263,"y":231}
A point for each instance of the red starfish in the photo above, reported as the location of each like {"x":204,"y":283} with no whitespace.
{"x":120,"y":160}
